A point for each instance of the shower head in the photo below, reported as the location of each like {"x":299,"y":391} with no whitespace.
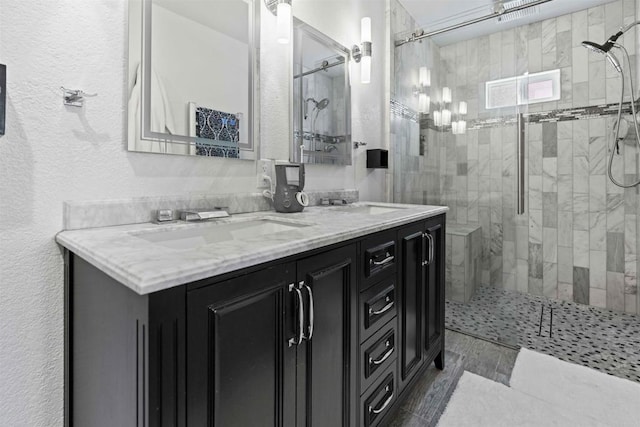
{"x":322,"y":104}
{"x":604,"y":50}
{"x":318,"y":105}
{"x":306,"y":106}
{"x":599,"y":48}
{"x":609,"y":44}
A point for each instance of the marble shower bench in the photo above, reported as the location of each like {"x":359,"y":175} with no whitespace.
{"x":463,"y":246}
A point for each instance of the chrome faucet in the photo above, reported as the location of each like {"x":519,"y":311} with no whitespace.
{"x":204,"y":214}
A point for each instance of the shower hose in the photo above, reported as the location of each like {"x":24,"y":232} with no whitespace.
{"x":617,"y":125}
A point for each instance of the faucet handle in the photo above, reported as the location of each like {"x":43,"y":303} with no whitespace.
{"x":164,"y":215}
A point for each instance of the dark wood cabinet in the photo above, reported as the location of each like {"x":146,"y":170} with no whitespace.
{"x":331,"y":337}
{"x":327,"y":356}
{"x":411,"y":279}
{"x":434,"y":292}
{"x":421,"y":306}
{"x":240,"y":366}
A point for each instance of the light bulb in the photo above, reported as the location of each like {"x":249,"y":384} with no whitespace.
{"x":446,"y":95}
{"x":462,"y":108}
{"x":423,"y":103}
{"x":365,"y":69}
{"x":454,"y":128}
{"x":365,"y":30}
{"x":283,"y":22}
{"x":437,"y":118}
{"x":424,"y":77}
{"x":446,"y":117}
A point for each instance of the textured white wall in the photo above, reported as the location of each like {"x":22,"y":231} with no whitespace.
{"x":340,"y":20}
{"x":52,"y":153}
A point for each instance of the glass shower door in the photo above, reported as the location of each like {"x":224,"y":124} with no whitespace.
{"x":471,"y":154}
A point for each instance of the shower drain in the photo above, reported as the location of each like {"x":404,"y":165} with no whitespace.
{"x":542,"y":321}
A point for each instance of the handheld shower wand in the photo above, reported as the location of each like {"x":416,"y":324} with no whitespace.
{"x":306,"y":106}
{"x":605,"y":49}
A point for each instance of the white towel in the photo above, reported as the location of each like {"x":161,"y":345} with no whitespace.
{"x":161,"y":116}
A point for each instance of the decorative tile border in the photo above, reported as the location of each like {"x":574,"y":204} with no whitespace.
{"x":560,"y":115}
{"x":400,"y":110}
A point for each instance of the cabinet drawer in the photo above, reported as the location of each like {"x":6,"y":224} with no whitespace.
{"x":378,"y":258}
{"x":377,"y":307}
{"x":376,"y":403}
{"x":377,"y":354}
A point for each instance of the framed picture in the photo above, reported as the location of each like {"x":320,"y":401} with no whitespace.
{"x":217,"y":133}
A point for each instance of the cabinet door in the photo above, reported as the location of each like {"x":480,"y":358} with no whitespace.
{"x":411,"y":242}
{"x":326,"y":370}
{"x":240,"y":369}
{"x":434,"y":295}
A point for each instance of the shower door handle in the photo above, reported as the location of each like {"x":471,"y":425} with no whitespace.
{"x":520,"y":165}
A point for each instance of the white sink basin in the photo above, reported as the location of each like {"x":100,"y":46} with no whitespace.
{"x":189,"y":236}
{"x":369,"y":209}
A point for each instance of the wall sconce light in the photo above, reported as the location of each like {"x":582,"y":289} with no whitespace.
{"x":363,"y":54}
{"x":424,"y":81}
{"x":424,"y":77}
{"x":446,"y":112}
{"x":446,"y":95}
{"x":446,"y":117}
{"x":282,"y":10}
{"x":437,"y":118}
{"x":462,"y":108}
{"x":459,"y":127}
{"x":423,"y":103}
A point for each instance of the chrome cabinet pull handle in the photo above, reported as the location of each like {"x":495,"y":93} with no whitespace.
{"x":389,"y":258}
{"x":425,"y":261}
{"x":311,"y":310}
{"x":382,"y":310}
{"x":383,"y":358}
{"x":430,"y":249}
{"x":384,"y":405}
{"x":298,"y":341}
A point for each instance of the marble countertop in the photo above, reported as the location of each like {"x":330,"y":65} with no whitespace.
{"x":126,"y":253}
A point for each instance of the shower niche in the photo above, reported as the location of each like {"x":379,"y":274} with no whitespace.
{"x":321,"y":98}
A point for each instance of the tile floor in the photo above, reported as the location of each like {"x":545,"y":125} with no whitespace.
{"x":430,"y":395}
{"x":598,"y":338}
{"x":601,"y":339}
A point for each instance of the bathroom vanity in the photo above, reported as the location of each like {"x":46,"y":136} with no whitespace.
{"x":325,"y":317}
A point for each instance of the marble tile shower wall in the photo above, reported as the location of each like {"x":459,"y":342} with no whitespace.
{"x":329,"y":121}
{"x":578,"y":237}
{"x":415,"y":175}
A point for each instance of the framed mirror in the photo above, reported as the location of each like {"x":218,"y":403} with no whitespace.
{"x":192,"y":77}
{"x":321,"y":98}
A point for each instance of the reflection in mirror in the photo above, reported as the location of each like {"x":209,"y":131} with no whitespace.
{"x":321,"y":98}
{"x":192,"y":88}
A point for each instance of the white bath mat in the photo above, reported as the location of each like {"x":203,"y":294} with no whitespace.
{"x":480,"y":402}
{"x":611,"y":400}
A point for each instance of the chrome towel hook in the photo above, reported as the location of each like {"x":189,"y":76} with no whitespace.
{"x":74,"y":97}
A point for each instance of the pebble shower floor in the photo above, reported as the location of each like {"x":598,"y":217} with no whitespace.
{"x":598,"y":338}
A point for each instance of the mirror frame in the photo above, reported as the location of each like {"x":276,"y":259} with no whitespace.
{"x":253,"y":122}
{"x":317,"y":35}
